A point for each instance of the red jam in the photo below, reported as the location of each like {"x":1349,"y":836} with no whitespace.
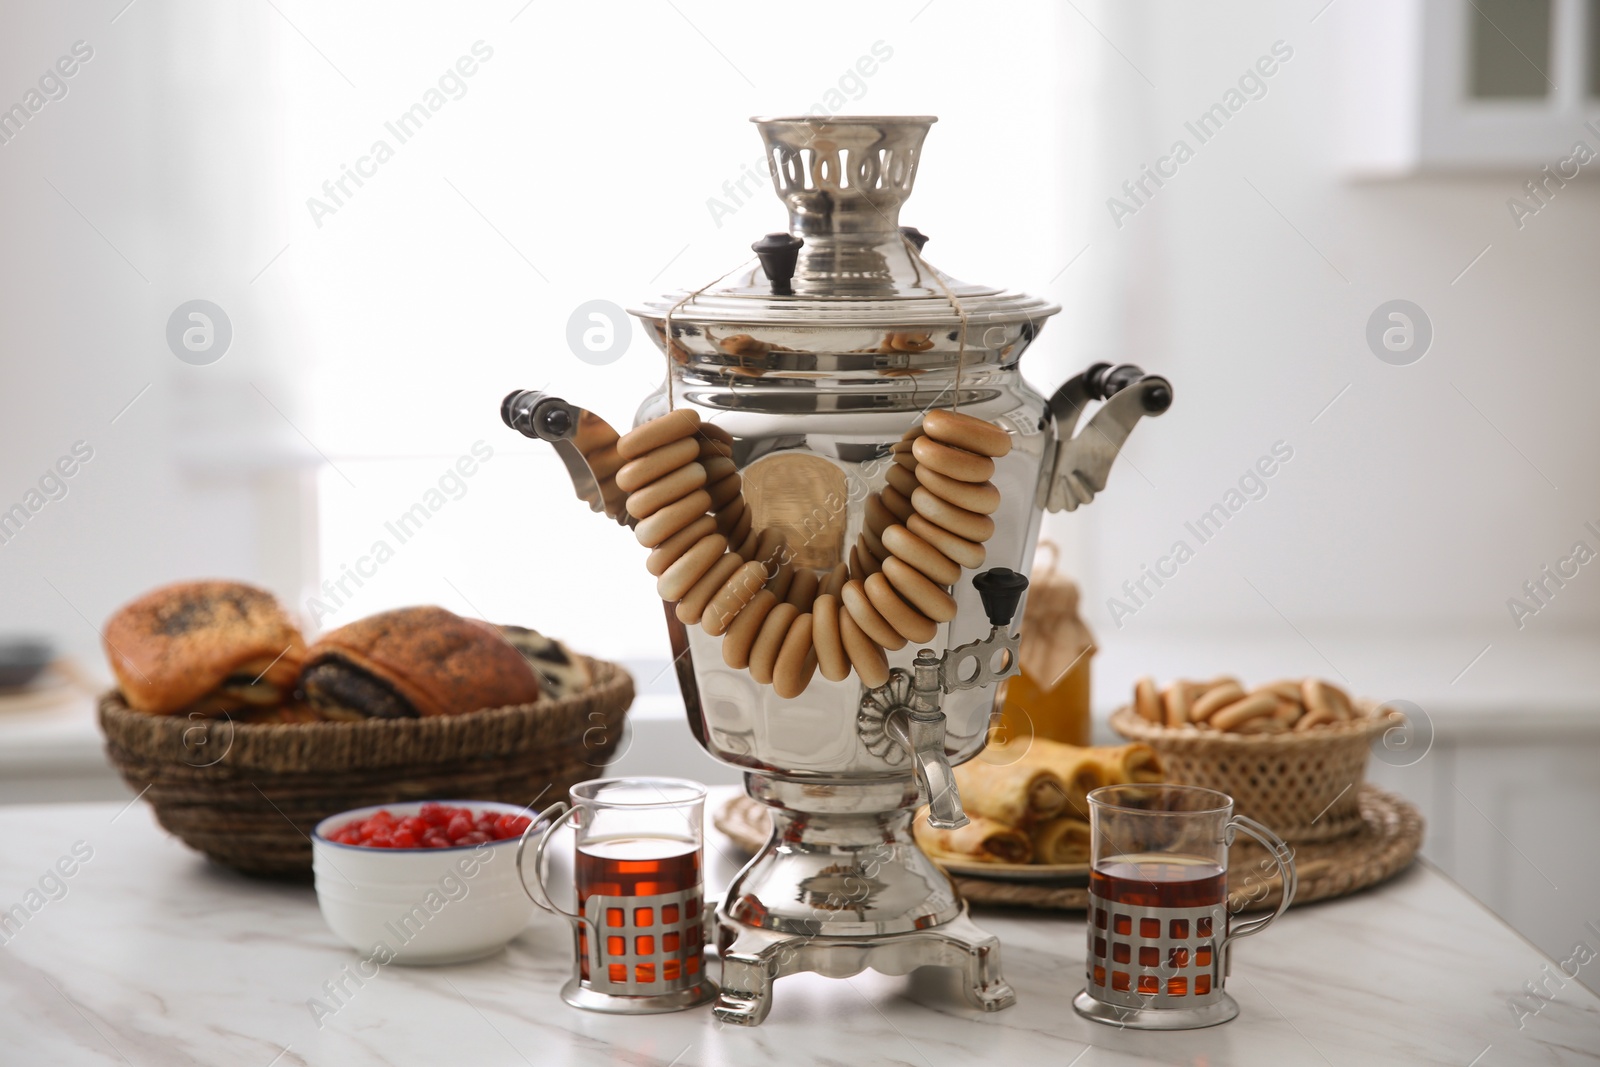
{"x":435,"y":826}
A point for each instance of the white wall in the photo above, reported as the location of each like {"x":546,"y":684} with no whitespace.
{"x":1428,"y":493}
{"x":135,"y":191}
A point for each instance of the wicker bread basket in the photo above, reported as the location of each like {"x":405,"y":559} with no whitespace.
{"x":1306,"y":786}
{"x":248,"y":795}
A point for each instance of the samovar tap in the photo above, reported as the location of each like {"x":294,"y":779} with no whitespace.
{"x":918,"y":724}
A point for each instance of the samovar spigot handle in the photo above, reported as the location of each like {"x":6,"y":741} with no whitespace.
{"x":1083,"y":462}
{"x":1001,"y":590}
{"x":578,"y":437}
{"x":972,"y":665}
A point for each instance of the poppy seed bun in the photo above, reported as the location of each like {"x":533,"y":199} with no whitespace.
{"x":345,"y":693}
{"x":416,"y":661}
{"x":191,"y":641}
{"x":560,"y":672}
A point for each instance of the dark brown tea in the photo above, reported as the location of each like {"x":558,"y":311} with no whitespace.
{"x":1157,"y":881}
{"x":645,"y":936}
{"x":1126,"y":950}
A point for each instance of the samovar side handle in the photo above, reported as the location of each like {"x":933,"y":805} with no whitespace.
{"x":1083,"y":460}
{"x":578,"y":436}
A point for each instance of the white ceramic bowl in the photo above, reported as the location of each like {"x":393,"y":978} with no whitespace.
{"x":420,"y":905}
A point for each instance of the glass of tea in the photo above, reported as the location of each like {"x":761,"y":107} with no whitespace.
{"x":1159,"y":927}
{"x":640,"y":924}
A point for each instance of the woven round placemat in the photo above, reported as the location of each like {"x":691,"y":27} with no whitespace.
{"x":1383,"y":844}
{"x":248,"y":795}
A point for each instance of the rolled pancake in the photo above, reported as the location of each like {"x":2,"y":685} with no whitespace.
{"x":1077,"y":768}
{"x":1013,"y":794}
{"x":982,"y":840}
{"x":1063,"y":840}
{"x":1136,"y":763}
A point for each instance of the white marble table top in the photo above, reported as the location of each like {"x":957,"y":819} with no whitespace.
{"x":148,"y":955}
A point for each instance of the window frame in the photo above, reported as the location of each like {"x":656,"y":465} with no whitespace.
{"x":1408,"y":84}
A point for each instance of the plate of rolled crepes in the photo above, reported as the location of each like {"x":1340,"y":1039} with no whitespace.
{"x":1028,"y":814}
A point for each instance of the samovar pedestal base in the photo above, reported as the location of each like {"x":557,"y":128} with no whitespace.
{"x":842,"y":887}
{"x":757,"y":958}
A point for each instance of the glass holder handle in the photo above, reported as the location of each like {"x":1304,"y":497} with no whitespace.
{"x":558,"y":813}
{"x":1281,"y":854}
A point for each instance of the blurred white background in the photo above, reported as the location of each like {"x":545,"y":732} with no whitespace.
{"x":371,"y":345}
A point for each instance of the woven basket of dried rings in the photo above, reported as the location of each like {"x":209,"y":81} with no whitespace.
{"x":1304,"y":785}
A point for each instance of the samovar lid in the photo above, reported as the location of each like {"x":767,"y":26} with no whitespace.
{"x":843,"y":179}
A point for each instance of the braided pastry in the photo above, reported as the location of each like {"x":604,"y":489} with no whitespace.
{"x":675,"y":476}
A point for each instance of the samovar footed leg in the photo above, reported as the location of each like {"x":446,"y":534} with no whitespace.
{"x":749,"y":967}
{"x":985,"y":987}
{"x":754,"y":959}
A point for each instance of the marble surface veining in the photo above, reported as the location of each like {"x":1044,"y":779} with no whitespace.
{"x":146,"y":954}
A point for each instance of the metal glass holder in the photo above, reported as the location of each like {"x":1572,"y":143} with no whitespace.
{"x":598,"y":993}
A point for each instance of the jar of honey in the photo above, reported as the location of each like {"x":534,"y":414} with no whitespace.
{"x":1050,"y":697}
{"x":1059,"y":712}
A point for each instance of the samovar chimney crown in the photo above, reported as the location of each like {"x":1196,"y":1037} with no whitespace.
{"x":842,"y":179}
{"x":847,"y":174}
{"x":846,"y":263}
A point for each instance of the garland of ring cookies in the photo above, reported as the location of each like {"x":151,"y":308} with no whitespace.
{"x":676,"y":478}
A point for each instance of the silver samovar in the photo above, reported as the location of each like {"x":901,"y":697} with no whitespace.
{"x":817,"y":364}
